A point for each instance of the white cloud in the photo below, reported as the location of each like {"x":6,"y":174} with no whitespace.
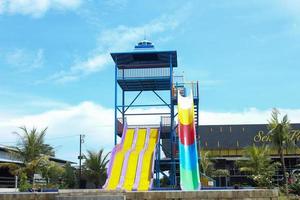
{"x":93,"y":120}
{"x":292,"y":5}
{"x":25,"y":60}
{"x":291,"y":8}
{"x":115,"y":3}
{"x":10,"y":102}
{"x":36,"y":8}
{"x":97,"y":123}
{"x":120,"y":38}
{"x":92,"y":64}
{"x":1,"y":7}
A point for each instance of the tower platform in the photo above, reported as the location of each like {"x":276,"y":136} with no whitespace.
{"x":144,"y":70}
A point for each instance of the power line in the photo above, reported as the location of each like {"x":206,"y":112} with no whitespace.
{"x":61,"y":137}
{"x":54,"y":138}
{"x":50,"y":138}
{"x":10,"y":142}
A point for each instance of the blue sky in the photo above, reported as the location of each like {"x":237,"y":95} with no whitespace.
{"x":55,"y":68}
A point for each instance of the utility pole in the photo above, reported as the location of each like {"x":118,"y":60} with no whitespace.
{"x":81,"y":141}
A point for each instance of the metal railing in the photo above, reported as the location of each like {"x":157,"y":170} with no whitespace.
{"x":143,"y":73}
{"x":165,"y":121}
{"x":184,"y":88}
{"x":8,"y":182}
{"x":121,"y":124}
{"x":178,"y":79}
{"x":143,"y":126}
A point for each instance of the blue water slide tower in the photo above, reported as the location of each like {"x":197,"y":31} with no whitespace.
{"x":145,"y":69}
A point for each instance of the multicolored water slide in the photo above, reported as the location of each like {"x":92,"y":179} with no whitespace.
{"x":131,"y":158}
{"x":188,"y":155}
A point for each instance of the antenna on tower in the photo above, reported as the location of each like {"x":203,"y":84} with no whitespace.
{"x":144,"y":45}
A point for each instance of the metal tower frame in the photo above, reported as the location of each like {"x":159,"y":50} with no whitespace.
{"x":146,"y":70}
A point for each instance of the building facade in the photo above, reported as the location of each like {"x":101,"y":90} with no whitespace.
{"x":226,"y":144}
{"x":7,"y":180}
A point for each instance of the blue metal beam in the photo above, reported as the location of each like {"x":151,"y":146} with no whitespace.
{"x":173,"y":166}
{"x":146,"y":105}
{"x":116,"y":102}
{"x":161,"y":98}
{"x":137,"y":96}
{"x":148,"y":114}
{"x":158,"y":161}
{"x":176,"y":115}
{"x":123,"y":103}
{"x":119,"y":109}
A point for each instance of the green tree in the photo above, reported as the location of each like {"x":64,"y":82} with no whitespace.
{"x":33,"y":152}
{"x":164,"y":181}
{"x":279,"y":131}
{"x":32,"y":145}
{"x":208,"y":166}
{"x":69,"y":177}
{"x":94,"y":167}
{"x":24,"y":185}
{"x":50,"y":170}
{"x":257,"y":162}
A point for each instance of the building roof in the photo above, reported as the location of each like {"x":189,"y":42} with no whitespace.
{"x":6,"y":157}
{"x":3,"y":160}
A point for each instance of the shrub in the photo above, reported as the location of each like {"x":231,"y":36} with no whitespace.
{"x":24,"y":185}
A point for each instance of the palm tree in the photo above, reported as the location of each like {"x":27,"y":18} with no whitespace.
{"x":31,"y":150}
{"x":94,"y":167}
{"x":207,"y":167}
{"x":206,"y":164}
{"x":69,"y":176}
{"x":32,"y":144}
{"x":279,"y":132}
{"x":258,"y":164}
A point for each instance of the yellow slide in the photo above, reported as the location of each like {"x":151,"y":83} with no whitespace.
{"x":146,"y":173}
{"x":118,"y":161}
{"x":133,"y":160}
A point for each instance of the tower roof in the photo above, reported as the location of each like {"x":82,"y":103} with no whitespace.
{"x":145,"y":59}
{"x":145,"y":56}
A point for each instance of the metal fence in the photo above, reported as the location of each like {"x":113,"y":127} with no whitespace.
{"x":143,"y":73}
{"x":184,"y":88}
{"x":8,"y":182}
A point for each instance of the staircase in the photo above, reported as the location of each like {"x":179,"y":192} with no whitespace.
{"x":196,"y":113}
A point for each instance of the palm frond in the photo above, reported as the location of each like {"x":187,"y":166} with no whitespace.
{"x":95,"y":166}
